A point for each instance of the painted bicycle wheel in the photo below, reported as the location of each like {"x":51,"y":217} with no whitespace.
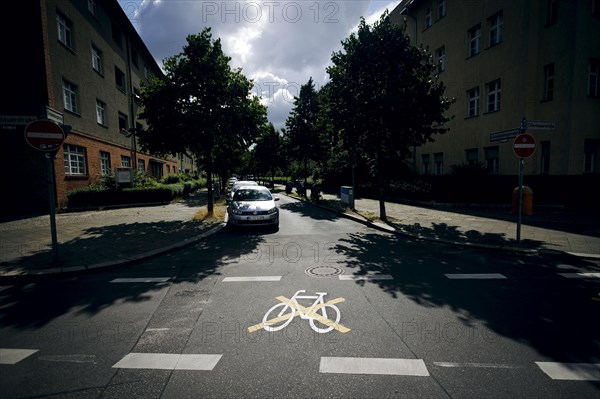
{"x":330,"y":324}
{"x":274,"y":321}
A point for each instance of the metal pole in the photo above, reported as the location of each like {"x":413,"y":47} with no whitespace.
{"x":51,"y":201}
{"x":520,"y":194}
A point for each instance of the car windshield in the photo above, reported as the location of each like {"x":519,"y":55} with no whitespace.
{"x":252,"y":194}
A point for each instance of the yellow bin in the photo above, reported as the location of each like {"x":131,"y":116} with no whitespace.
{"x":527,"y":201}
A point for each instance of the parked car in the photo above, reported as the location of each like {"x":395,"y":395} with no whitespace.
{"x":253,"y":206}
{"x":237,"y":185}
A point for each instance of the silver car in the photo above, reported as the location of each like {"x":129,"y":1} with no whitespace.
{"x":253,"y":206}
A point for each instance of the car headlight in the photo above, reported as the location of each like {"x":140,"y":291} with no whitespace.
{"x":272,"y":211}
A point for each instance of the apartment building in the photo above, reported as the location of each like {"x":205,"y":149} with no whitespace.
{"x":80,"y":63}
{"x":505,"y":60}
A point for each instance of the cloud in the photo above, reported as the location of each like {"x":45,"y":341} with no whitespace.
{"x":278,"y":44}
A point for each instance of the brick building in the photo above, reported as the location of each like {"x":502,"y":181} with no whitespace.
{"x":80,"y":63}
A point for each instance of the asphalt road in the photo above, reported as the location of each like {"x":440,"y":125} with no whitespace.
{"x":415,"y":320}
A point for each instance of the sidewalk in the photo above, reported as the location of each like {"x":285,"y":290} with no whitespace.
{"x":109,"y":238}
{"x":90,"y":240}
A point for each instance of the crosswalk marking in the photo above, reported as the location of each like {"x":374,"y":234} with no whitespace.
{"x":248,"y":279}
{"x":475,"y":276}
{"x":14,"y":356}
{"x":381,"y":366}
{"x":372,"y":277}
{"x":580,"y":275}
{"x":168,"y":361}
{"x":142,"y":280}
{"x":571,"y":371}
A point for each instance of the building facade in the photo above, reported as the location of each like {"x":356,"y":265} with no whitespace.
{"x":505,"y":60}
{"x":80,"y":63}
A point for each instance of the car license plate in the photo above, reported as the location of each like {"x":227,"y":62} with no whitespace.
{"x":256,"y":218}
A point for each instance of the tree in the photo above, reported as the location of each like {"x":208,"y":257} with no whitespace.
{"x":200,"y":107}
{"x":304,"y":140}
{"x":387,"y":97}
{"x":267,"y":152}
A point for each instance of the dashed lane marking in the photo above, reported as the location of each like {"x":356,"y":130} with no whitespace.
{"x":168,"y":361}
{"x":142,"y":280}
{"x":580,"y":275}
{"x":374,"y":277}
{"x":475,"y":276}
{"x":477,"y":365}
{"x":251,"y":279}
{"x":14,"y":356}
{"x":381,"y":366}
{"x":571,"y":371}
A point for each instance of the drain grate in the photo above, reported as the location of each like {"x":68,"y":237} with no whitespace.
{"x":324,"y":271}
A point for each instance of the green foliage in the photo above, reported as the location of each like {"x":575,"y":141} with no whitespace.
{"x":201,"y":107}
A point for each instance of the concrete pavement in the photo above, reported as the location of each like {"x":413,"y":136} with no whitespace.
{"x":113,"y":237}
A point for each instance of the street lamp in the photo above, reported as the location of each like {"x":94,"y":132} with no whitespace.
{"x":131,"y":132}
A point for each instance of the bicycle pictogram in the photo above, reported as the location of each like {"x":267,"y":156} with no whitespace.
{"x":317,"y":314}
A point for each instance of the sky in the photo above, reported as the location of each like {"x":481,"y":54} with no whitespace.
{"x":278,"y":44}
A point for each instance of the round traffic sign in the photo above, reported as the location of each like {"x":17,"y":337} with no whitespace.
{"x":524,"y":145}
{"x":44,"y":135}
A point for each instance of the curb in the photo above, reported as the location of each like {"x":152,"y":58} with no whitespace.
{"x":508,"y":248}
{"x":14,"y":278}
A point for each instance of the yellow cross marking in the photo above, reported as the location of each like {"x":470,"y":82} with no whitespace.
{"x":310,"y":312}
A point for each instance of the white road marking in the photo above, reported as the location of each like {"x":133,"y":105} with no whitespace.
{"x":571,"y":371}
{"x":475,"y":276}
{"x":477,"y":365}
{"x":257,"y":278}
{"x":69,"y":358}
{"x":157,"y":329}
{"x":13,"y":356}
{"x":580,"y":275}
{"x":357,"y":365}
{"x":373,"y":277}
{"x":168,"y":361}
{"x":142,"y":280}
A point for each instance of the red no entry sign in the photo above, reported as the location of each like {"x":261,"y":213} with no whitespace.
{"x":44,"y":135}
{"x":524,"y":145}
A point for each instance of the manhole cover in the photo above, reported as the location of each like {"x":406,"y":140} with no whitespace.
{"x":324,"y":271}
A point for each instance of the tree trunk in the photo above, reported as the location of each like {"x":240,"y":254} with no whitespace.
{"x":381,"y":184}
{"x":209,"y":183}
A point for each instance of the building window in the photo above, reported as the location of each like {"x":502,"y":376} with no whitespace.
{"x":428,"y":18}
{"x":97,"y":60}
{"x":146,"y":72}
{"x":104,"y":163}
{"x":472,"y":156}
{"x":101,"y":113}
{"x":65,"y":30}
{"x":123,"y":122}
{"x":590,"y":156}
{"x":548,"y":82}
{"x":545,"y":160}
{"x":125,"y":161}
{"x":426,"y":158}
{"x":442,"y":9}
{"x":475,"y":40}
{"x":141,"y":165}
{"x":70,"y":96}
{"x":134,"y":58}
{"x":552,"y":12}
{"x":117,"y":36}
{"x":74,"y":160}
{"x":92,"y":7}
{"x":473,"y":97}
{"x":496,"y":23}
{"x":594,"y":78}
{"x":494,"y":91}
{"x":441,"y":56}
{"x":120,"y":79}
{"x":492,"y":159}
{"x":439,"y":163}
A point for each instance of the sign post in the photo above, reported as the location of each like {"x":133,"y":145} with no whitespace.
{"x":47,"y":136}
{"x":524,"y":147}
